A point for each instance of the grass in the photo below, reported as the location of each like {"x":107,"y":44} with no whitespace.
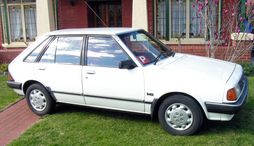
{"x":7,"y":95}
{"x":72,"y":125}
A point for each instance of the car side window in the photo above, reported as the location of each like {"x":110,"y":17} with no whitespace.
{"x":104,"y":52}
{"x":69,"y":50}
{"x":32,"y":57}
{"x":49,"y":55}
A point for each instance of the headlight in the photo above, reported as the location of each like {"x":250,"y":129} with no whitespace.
{"x":233,"y":93}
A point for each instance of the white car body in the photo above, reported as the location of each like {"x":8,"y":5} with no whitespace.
{"x":136,"y":90}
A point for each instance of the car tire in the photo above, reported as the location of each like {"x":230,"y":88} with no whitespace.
{"x":39,"y":100}
{"x":180,"y":115}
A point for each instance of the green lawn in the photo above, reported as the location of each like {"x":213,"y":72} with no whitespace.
{"x":85,"y":126}
{"x":7,"y":96}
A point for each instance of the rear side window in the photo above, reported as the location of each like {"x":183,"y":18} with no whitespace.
{"x":49,"y":55}
{"x":69,"y":50}
{"x":32,"y":56}
{"x":63,"y":50}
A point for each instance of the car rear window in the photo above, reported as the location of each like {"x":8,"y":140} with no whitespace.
{"x":34,"y":54}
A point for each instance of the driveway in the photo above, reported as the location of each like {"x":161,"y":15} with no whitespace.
{"x":15,"y":120}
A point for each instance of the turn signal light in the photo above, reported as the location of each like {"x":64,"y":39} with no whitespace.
{"x":10,"y":78}
{"x":231,"y":95}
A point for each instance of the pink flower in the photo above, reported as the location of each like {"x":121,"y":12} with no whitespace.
{"x":216,"y":1}
{"x":208,"y":43}
{"x":237,"y":29}
{"x":248,"y":3}
{"x":241,"y":18}
{"x":200,"y":7}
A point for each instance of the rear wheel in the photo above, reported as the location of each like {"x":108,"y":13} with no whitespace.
{"x":39,"y":100}
{"x":180,"y":115}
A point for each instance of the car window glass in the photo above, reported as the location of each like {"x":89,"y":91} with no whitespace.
{"x":32,"y":57}
{"x":144,"y":47}
{"x":104,"y":52}
{"x":69,"y":50}
{"x":49,"y":55}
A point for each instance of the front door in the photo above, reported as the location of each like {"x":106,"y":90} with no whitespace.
{"x":105,"y":14}
{"x":105,"y":84}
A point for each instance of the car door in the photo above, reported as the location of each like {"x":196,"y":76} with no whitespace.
{"x":59,"y":69}
{"x":104,"y":83}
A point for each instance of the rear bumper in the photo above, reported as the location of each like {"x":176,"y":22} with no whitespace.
{"x":14,"y":85}
{"x":230,"y":108}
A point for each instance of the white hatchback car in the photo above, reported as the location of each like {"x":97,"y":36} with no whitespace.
{"x":128,"y":70}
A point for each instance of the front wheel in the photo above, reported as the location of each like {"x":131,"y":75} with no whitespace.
{"x":39,"y":100}
{"x":180,"y":115}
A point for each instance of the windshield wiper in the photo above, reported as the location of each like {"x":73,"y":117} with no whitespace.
{"x":168,"y":53}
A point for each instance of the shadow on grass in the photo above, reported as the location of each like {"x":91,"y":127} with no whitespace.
{"x":242,"y":123}
{"x":68,"y":108}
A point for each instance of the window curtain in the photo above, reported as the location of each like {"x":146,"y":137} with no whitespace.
{"x":161,"y":19}
{"x":30,"y":22}
{"x":178,"y":18}
{"x":15,"y":23}
{"x":197,"y":23}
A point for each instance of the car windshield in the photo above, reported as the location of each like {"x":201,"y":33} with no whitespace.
{"x":146,"y":48}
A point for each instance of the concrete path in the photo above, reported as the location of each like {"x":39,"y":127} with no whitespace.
{"x":14,"y":121}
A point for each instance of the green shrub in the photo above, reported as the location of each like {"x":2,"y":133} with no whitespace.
{"x":248,"y":68}
{"x":3,"y":68}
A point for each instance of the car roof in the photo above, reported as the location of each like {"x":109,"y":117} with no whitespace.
{"x":101,"y":31}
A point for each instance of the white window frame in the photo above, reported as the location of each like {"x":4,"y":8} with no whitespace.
{"x":9,"y":43}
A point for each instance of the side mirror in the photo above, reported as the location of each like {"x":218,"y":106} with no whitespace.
{"x":127,"y":64}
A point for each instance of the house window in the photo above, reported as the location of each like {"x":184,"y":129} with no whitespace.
{"x":177,"y":19}
{"x":18,"y":20}
{"x":161,"y":19}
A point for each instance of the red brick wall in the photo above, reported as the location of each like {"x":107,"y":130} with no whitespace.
{"x":7,"y":55}
{"x":201,"y":51}
{"x":127,"y":13}
{"x":72,"y":16}
{"x":150,"y":14}
{"x":76,"y":16}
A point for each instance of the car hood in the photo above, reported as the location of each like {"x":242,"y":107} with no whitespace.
{"x":203,"y":68}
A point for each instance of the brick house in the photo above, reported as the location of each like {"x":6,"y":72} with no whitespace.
{"x":23,"y":20}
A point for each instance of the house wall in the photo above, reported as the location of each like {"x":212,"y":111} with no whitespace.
{"x":72,"y":16}
{"x":1,"y":36}
{"x":7,"y":55}
{"x":76,"y":16}
{"x":139,"y":19}
{"x":197,"y":49}
{"x":127,"y":13}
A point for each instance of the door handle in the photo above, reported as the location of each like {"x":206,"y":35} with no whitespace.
{"x":90,"y":72}
{"x":42,"y":68}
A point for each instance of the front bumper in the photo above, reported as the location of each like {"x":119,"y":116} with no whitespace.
{"x":14,"y":85}
{"x":232,"y":108}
